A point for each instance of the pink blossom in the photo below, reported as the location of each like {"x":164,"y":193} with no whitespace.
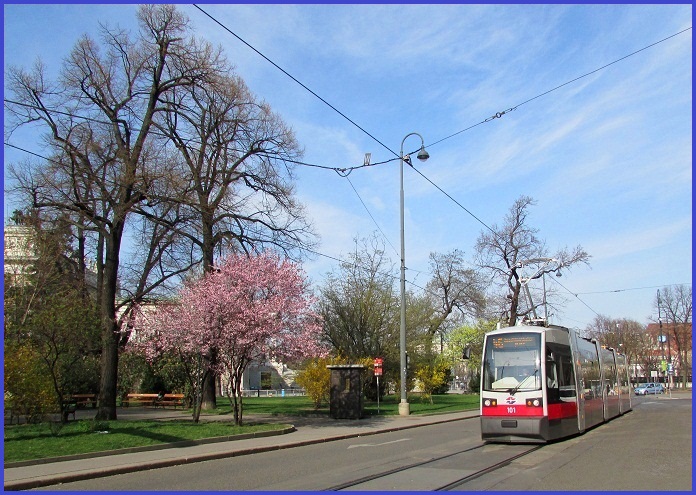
{"x":247,"y":308}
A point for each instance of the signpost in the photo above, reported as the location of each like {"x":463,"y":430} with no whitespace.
{"x":378,"y":373}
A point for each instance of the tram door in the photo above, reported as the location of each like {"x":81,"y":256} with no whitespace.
{"x":610,"y":384}
{"x":561,"y":396}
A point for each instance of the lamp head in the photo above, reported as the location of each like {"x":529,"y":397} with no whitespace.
{"x":422,"y":154}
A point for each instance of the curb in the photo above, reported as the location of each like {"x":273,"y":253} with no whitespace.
{"x":131,"y":468}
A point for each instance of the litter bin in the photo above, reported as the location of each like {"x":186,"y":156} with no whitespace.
{"x":346,"y":400}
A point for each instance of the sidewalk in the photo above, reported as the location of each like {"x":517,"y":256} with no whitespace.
{"x":304,"y":431}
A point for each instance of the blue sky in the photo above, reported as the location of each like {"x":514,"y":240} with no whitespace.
{"x":608,"y":158}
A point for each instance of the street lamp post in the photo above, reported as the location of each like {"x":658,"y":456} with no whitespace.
{"x":404,"y":408}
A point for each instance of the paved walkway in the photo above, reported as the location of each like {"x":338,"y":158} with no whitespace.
{"x":304,"y":431}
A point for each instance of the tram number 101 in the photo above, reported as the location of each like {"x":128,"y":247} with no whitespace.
{"x":511,"y":410}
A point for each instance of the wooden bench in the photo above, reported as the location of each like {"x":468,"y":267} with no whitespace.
{"x":174,"y":400}
{"x":83,"y":400}
{"x":139,"y":400}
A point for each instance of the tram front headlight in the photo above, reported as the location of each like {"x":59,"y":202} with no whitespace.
{"x":535,"y":402}
{"x":490,"y":402}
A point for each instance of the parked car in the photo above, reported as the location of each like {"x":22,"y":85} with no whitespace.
{"x":649,"y":388}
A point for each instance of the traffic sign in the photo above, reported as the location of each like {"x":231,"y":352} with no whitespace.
{"x":378,"y":366}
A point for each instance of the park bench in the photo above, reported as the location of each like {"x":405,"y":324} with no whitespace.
{"x":156,"y":400}
{"x":83,"y":400}
{"x":139,"y":400}
{"x":174,"y":400}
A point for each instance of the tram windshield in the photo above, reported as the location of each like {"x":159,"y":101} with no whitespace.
{"x":512,"y":362}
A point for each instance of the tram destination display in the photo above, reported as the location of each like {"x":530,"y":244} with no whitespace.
{"x":516,"y":341}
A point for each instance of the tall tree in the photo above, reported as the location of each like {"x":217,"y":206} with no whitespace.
{"x":358,"y":305}
{"x":454,"y":288}
{"x":99,"y":117}
{"x":504,"y":250}
{"x":233,"y":185}
{"x":246,"y":309}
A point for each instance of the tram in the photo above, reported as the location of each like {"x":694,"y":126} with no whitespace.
{"x":542,"y":382}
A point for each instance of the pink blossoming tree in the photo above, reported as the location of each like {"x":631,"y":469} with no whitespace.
{"x":249,"y":308}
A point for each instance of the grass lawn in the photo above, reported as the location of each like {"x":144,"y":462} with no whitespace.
{"x":388,"y":406}
{"x":25,"y":442}
{"x":38,"y":441}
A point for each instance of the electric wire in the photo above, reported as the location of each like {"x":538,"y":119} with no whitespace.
{"x":293,"y":78}
{"x":370,"y":214}
{"x":500,"y":114}
{"x":632,"y":288}
{"x":395,"y":277}
{"x":342,"y":171}
{"x":454,"y":200}
{"x":574,"y":294}
{"x":345,"y":171}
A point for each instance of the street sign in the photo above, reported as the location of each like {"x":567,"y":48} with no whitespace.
{"x":663,"y":365}
{"x":378,"y":366}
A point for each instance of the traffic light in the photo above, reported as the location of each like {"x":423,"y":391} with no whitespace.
{"x":466,"y":354}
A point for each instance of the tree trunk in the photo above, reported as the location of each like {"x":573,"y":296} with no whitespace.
{"x":209,"y":401}
{"x":110,"y":328}
{"x":514,"y":305}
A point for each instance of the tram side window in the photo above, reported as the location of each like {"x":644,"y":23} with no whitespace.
{"x":559,"y":372}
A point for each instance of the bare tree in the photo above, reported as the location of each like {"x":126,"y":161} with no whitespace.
{"x":99,"y":117}
{"x":627,"y":336}
{"x":236,"y":170}
{"x":675,"y":307}
{"x":233,"y":184}
{"x":453,"y":289}
{"x":502,"y":251}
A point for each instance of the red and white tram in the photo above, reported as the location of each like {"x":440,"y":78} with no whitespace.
{"x":541,"y":383}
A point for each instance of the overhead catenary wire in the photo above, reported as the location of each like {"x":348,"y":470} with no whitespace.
{"x":411,"y":283}
{"x":631,"y":289}
{"x":500,"y":114}
{"x":293,"y":78}
{"x":347,"y":170}
{"x":372,"y":217}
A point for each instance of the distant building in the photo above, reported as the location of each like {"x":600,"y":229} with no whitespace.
{"x":19,"y":254}
{"x":668,"y":346}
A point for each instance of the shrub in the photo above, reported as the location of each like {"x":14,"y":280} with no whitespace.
{"x":431,"y":377}
{"x":29,"y":391}
{"x":316,"y":380}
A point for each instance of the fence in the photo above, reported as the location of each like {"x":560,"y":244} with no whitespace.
{"x":285,"y":392}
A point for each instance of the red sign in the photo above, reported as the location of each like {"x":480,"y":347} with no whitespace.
{"x":378,"y":366}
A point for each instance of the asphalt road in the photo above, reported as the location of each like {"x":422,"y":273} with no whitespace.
{"x":646,"y":449}
{"x":311,"y":467}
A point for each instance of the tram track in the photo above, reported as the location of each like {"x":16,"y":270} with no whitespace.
{"x":468,"y":456}
{"x":482,"y":472}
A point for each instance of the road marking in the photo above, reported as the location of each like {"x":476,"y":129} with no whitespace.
{"x":378,"y":444}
